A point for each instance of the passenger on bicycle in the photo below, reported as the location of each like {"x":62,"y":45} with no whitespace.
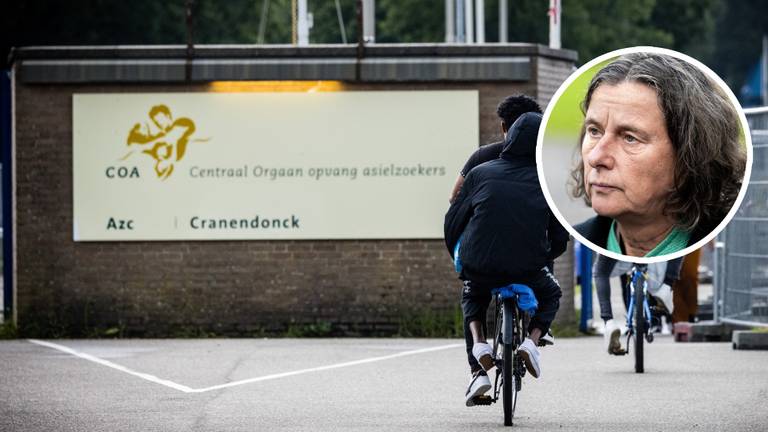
{"x":508,"y":111}
{"x":603,"y":268}
{"x":508,"y":235}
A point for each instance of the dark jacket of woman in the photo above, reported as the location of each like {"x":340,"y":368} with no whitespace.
{"x":596,"y":230}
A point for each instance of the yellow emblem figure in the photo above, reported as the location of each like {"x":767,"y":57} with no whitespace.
{"x":165,"y":139}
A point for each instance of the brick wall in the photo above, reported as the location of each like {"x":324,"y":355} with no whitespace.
{"x":550,"y":74}
{"x":221,"y":287}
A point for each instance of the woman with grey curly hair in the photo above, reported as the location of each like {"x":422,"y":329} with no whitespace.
{"x":662,"y":159}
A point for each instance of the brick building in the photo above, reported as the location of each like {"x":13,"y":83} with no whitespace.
{"x":159,"y":288}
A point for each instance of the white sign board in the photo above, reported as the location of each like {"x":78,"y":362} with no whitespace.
{"x":217,"y":166}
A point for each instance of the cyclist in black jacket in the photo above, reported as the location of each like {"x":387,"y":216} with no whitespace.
{"x":508,"y":234}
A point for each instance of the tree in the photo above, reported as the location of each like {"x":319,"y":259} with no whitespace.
{"x":691,"y":24}
{"x":594,"y":27}
{"x":725,"y":34}
{"x":740,"y":30}
{"x":410,"y":21}
{"x":326,"y":22}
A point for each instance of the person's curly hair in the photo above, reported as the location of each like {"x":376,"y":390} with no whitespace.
{"x":703,"y":126}
{"x":514,"y":106}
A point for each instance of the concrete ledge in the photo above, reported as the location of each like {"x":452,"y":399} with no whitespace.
{"x":683,"y":331}
{"x":750,"y":340}
{"x":705,"y":331}
{"x":708,"y":331}
{"x":281,"y":51}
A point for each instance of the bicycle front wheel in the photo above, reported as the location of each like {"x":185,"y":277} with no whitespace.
{"x":640,"y":330}
{"x":509,"y":380}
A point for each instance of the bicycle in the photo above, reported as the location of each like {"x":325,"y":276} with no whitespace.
{"x":510,"y":323}
{"x":642,"y":313}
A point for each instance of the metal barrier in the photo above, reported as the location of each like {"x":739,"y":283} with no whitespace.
{"x":741,"y":261}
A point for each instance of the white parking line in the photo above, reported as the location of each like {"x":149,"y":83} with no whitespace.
{"x":186,"y":389}
{"x":335,"y":366}
{"x":107,"y":363}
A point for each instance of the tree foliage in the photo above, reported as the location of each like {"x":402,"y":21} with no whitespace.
{"x":725,"y":34}
{"x":594,"y":27}
{"x":409,"y":21}
{"x":739,"y":39}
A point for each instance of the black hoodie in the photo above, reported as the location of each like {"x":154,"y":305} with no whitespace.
{"x":508,"y":231}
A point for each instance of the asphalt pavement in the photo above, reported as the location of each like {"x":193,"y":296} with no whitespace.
{"x":368,"y":384}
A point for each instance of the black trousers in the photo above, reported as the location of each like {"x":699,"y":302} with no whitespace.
{"x":475,"y":299}
{"x":603,"y":268}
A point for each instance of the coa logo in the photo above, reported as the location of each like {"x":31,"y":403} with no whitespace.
{"x":162,"y":138}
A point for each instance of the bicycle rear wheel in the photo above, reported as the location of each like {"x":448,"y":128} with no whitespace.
{"x":640,"y":330}
{"x":509,"y":380}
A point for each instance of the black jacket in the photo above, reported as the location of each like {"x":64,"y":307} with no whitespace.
{"x":508,"y":230}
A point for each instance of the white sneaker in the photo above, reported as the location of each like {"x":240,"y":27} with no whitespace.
{"x":664,"y":295}
{"x":665,"y":328}
{"x":612,"y":338}
{"x":547,"y":338}
{"x":530,"y":355}
{"x":478,"y":385}
{"x":484,"y":355}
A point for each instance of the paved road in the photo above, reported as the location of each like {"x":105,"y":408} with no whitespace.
{"x":698,"y":387}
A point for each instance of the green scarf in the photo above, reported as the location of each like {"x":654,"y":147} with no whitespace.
{"x":673,"y":242}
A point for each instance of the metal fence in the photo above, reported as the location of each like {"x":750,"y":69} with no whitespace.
{"x":741,"y":268}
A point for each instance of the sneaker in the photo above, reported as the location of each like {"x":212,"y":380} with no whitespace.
{"x":664,"y":296}
{"x":478,"y":385}
{"x":666,"y":329}
{"x":530,"y":355}
{"x":547,"y":339}
{"x":612,"y":338}
{"x":484,"y":355}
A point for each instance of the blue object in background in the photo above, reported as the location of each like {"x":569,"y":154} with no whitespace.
{"x":750,"y":94}
{"x":456,"y":257}
{"x":584,"y":260}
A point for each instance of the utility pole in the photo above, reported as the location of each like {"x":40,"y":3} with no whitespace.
{"x":469,"y":22}
{"x":764,"y":77}
{"x":303,"y":24}
{"x":263,"y":21}
{"x":554,"y":23}
{"x":480,"y":20}
{"x":341,"y":23}
{"x":503,"y":17}
{"x":450,"y":21}
{"x":460,"y":23}
{"x":369,"y":21}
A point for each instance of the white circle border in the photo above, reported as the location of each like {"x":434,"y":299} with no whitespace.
{"x":540,"y":142}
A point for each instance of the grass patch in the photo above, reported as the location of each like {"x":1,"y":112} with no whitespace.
{"x":8,"y":331}
{"x":186,"y":332}
{"x":432,"y":324}
{"x":115,"y":332}
{"x":316,"y":330}
{"x":566,"y":330}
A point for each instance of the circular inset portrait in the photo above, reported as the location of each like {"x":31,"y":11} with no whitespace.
{"x":644,"y":154}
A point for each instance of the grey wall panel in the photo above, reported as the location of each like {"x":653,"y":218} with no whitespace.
{"x":446,"y":69}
